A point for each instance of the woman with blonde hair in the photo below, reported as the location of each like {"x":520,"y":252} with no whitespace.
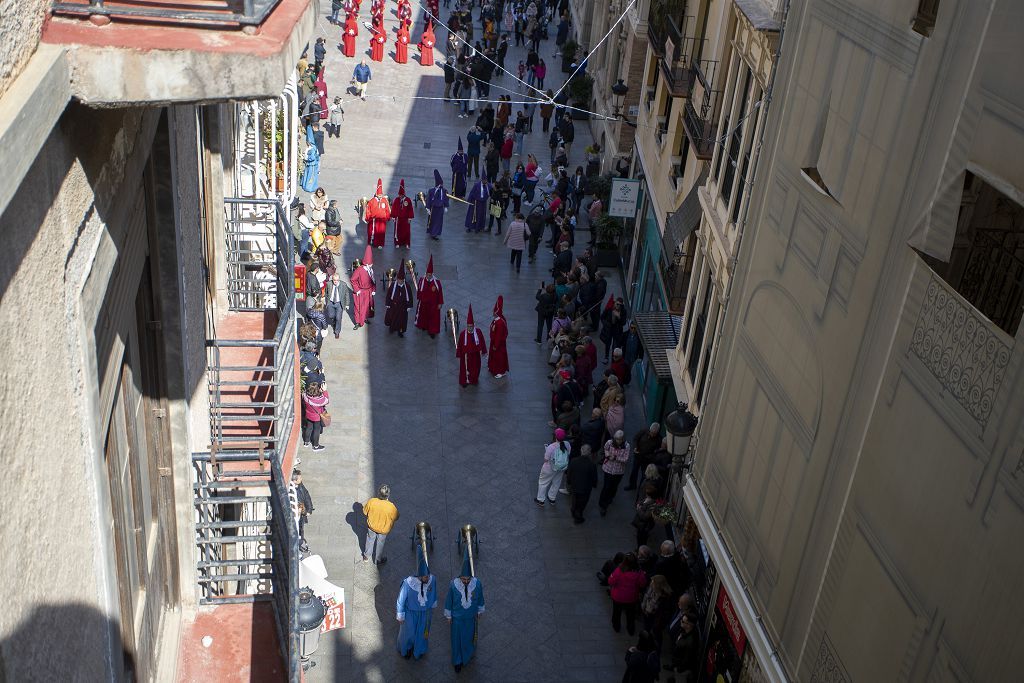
{"x":318,"y":204}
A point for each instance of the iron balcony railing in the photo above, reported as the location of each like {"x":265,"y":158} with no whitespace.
{"x":218,"y":13}
{"x":666,"y":27}
{"x":252,"y":381}
{"x":247,"y":539}
{"x":700,"y":113}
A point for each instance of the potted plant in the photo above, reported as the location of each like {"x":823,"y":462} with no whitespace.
{"x":608,"y":232}
{"x":581,"y":90}
{"x":601,"y":187}
{"x":569,"y":51}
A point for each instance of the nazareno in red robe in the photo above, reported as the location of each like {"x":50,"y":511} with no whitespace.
{"x":429,"y":299}
{"x":348,"y":36}
{"x":497,"y":359}
{"x":364,"y":286}
{"x":402,"y":46}
{"x":403,"y":212}
{"x":427,"y":41}
{"x":377,"y":215}
{"x":471,"y":346}
{"x":377,"y":41}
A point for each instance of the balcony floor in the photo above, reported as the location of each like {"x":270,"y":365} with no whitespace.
{"x":244,"y":647}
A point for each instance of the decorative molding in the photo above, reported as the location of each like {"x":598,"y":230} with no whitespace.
{"x":829,"y":668}
{"x":896,"y":45}
{"x":961,"y":349}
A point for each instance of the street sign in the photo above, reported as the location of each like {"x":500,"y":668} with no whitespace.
{"x":624,"y":197}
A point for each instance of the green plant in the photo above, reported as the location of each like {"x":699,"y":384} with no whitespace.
{"x":609,"y":230}
{"x":581,"y":89}
{"x":569,"y":50}
{"x":601,"y":187}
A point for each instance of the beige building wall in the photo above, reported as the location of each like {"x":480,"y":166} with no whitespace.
{"x":873,"y":506}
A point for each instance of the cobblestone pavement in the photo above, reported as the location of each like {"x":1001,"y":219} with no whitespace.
{"x":451,"y":456}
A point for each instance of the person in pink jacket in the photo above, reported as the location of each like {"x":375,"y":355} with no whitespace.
{"x":626,"y":585}
{"x":314,"y":402}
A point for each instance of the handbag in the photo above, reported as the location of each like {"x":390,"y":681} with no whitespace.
{"x":495,"y":210}
{"x":325,"y":418}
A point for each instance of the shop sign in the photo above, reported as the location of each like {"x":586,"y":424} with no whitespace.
{"x":731,"y":621}
{"x":624,"y":198}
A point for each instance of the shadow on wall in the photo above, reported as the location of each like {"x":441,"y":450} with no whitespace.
{"x":64,"y":643}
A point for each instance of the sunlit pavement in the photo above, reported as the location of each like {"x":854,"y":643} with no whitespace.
{"x":451,"y":456}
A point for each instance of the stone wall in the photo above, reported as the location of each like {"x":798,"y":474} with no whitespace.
{"x":20,"y":25}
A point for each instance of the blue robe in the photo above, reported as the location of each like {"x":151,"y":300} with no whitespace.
{"x":463,"y":614}
{"x":459,"y":165}
{"x":476,"y":213}
{"x":311,"y":171}
{"x":415,"y":605}
{"x":437,"y":204}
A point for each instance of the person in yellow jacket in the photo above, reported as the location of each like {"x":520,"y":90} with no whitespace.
{"x":381,"y":515}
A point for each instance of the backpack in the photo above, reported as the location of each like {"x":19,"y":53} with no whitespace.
{"x":561,"y":458}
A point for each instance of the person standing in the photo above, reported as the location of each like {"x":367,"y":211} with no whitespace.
{"x":626,"y":585}
{"x":616,"y":455}
{"x":314,"y":402}
{"x":377,"y":214}
{"x":364,"y":287}
{"x":398,"y":302}
{"x":497,"y":360}
{"x":568,"y":131}
{"x":348,"y":37}
{"x":437,"y":206}
{"x":556,"y":460}
{"x":402,"y":44}
{"x":449,"y":78}
{"x":416,"y":602}
{"x":332,"y":217}
{"x":403,"y":211}
{"x":547,"y":304}
{"x":546,"y":110}
{"x":429,"y":299}
{"x":459,"y":164}
{"x":381,"y":515}
{"x":336,"y":6}
{"x":473,"y":138}
{"x":462,"y":609}
{"x":581,"y":480}
{"x":471,"y":346}
{"x":362,"y":76}
{"x":338,"y":297}
{"x":479,"y":199}
{"x":645,"y":443}
{"x":427,"y":41}
{"x":642,"y":662}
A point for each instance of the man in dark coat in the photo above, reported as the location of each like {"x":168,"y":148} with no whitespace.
{"x":568,"y":131}
{"x":399,"y":301}
{"x":581,"y":480}
{"x":592,"y":431}
{"x":673,"y":568}
{"x":645,"y":444}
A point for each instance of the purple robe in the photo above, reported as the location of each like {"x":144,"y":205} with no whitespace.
{"x":459,"y":166}
{"x":476,"y":213}
{"x":437,"y":203}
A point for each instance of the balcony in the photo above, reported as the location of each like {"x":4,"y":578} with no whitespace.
{"x":700,"y":114}
{"x":144,"y":51}
{"x":676,"y":51}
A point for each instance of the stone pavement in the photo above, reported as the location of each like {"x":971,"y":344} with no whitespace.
{"x":451,"y":456}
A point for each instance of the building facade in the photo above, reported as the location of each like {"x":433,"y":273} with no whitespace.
{"x":120,"y":218}
{"x":856,"y":487}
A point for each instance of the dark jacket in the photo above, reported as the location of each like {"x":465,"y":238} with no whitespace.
{"x":686,"y":652}
{"x":675,"y":572}
{"x":612,"y":328}
{"x":641,"y":667}
{"x":568,"y":130}
{"x":547,"y":304}
{"x":592,"y":433}
{"x":449,"y":73}
{"x":319,"y":51}
{"x":302,"y":495}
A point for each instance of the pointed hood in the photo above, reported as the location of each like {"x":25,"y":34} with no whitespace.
{"x":422,"y":566}
{"x":438,"y":181}
{"x":380,"y":187}
{"x":469,"y":316}
{"x":368,"y":256}
{"x":401,"y":187}
{"x":401,"y":270}
{"x":497,"y":306}
{"x":611,"y":302}
{"x":467,"y":567}
{"x":430,"y":265}
{"x":460,"y":144}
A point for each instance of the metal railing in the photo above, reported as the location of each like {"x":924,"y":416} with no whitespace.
{"x":247,"y":540}
{"x":666,"y":27}
{"x":701,"y":110}
{"x":218,"y":13}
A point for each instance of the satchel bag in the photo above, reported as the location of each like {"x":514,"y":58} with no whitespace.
{"x":325,"y":418}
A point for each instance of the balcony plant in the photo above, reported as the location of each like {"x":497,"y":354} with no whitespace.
{"x":601,"y":187}
{"x":581,"y":91}
{"x":569,"y":51}
{"x":608,"y":231}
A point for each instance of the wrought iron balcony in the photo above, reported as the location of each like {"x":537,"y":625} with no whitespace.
{"x":700,"y":114}
{"x":665,"y":27}
{"x":202,"y":12}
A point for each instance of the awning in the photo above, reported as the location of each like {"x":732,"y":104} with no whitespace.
{"x":686,"y":219}
{"x":659,"y":331}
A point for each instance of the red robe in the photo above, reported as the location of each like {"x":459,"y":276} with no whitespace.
{"x":364,"y":287}
{"x":399,"y":301}
{"x":377,"y":41}
{"x":471,"y":346}
{"x":497,"y":361}
{"x":427,"y":41}
{"x":321,"y":90}
{"x":402,"y":46}
{"x":377,"y":215}
{"x":429,"y":299}
{"x":402,"y":211}
{"x":404,"y":14}
{"x":348,"y":37}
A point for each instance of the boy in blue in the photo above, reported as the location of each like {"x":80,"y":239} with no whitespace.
{"x":463,"y":607}
{"x":416,"y":602}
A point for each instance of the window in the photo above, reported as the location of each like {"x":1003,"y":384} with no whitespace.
{"x":700,"y":329}
{"x":733,"y":137}
{"x":986,"y":265}
{"x":924,"y":19}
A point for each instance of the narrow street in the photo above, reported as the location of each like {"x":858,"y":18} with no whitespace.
{"x":451,"y":456}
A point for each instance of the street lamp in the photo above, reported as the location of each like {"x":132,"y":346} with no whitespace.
{"x":619,"y":92}
{"x":680,"y":425}
{"x":311,"y":615}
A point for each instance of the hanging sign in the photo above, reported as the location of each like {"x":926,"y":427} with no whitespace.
{"x":625,"y":195}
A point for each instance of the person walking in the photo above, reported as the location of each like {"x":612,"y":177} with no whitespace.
{"x":314,"y":401}
{"x":362,"y":76}
{"x":581,"y":480}
{"x":462,"y":609}
{"x":414,"y":609}
{"x":473,"y":138}
{"x":616,"y":455}
{"x":568,"y":131}
{"x":306,"y":502}
{"x":626,"y":585}
{"x":515,"y":239}
{"x":556,"y":460}
{"x":339,"y":294}
{"x":381,"y":515}
{"x":546,"y":110}
{"x":449,"y":79}
{"x":642,"y":662}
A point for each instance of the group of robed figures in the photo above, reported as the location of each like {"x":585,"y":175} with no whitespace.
{"x":378,"y":34}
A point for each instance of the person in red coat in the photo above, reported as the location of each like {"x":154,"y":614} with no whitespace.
{"x":348,"y":36}
{"x":403,"y":212}
{"x":364,"y":286}
{"x":402,"y":45}
{"x":404,"y":14}
{"x":399,"y":301}
{"x":429,"y":299}
{"x":427,"y":41}
{"x":377,"y":214}
{"x":497,"y":361}
{"x":432,"y":11}
{"x":377,"y":12}
{"x":469,"y":349}
{"x":378,"y":39}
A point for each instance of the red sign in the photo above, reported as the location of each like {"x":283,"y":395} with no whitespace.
{"x":732,"y":622}
{"x":335,"y":618}
{"x":300,"y":282}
